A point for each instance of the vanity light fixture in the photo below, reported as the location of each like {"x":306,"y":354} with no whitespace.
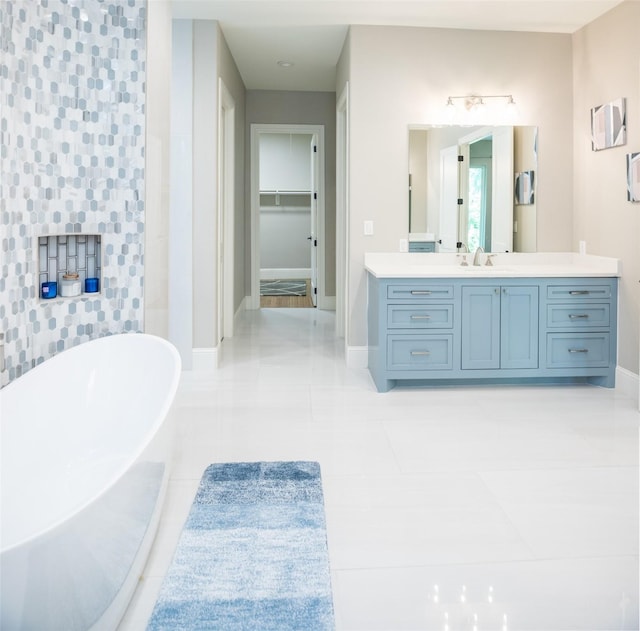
{"x":473,"y":105}
{"x":472,"y":101}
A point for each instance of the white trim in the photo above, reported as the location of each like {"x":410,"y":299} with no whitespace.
{"x":329,"y":303}
{"x":181,"y":192}
{"x":226,"y":202}
{"x":205,"y":359}
{"x":627,"y":383}
{"x":243,"y":306}
{"x":357,"y":356}
{"x":342,"y":214}
{"x":256,"y":130}
{"x":293,"y":273}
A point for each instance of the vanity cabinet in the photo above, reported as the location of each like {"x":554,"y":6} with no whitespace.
{"x":499,"y":327}
{"x":491,"y":330}
{"x":580,"y":329}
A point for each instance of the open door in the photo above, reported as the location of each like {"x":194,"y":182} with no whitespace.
{"x":448,"y":229}
{"x":498,"y":219}
{"x":313,"y":238}
{"x":502,"y":202}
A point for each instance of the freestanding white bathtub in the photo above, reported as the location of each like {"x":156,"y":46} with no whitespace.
{"x":86,"y":449}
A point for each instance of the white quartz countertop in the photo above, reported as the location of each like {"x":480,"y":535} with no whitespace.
{"x":511,"y":264}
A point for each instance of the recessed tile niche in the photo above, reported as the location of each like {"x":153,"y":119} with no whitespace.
{"x":67,"y":254}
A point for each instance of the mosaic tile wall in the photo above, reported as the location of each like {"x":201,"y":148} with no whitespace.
{"x":72,"y":127}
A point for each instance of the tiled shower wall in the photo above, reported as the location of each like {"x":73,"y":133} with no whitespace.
{"x":72,"y":78}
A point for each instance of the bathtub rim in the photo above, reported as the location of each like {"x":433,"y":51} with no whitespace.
{"x":133,"y":457}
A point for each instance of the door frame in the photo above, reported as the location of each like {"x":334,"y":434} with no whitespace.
{"x":262,"y":128}
{"x":313,"y":238}
{"x":226,"y":212}
{"x":342,"y":214}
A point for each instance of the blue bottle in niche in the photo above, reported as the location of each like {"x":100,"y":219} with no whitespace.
{"x":49,"y":290}
{"x":91,"y":285}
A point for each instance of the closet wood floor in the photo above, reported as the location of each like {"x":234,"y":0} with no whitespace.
{"x":288,"y":301}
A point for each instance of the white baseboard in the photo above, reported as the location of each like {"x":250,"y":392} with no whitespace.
{"x":628,"y":383}
{"x":205,"y":359}
{"x":328,"y":303}
{"x":285,"y":273}
{"x":357,"y":356}
{"x":243,"y":306}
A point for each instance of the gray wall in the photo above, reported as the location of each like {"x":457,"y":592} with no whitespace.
{"x":228,"y":72}
{"x":296,"y":108}
{"x":605,"y":62}
{"x":212,"y":60}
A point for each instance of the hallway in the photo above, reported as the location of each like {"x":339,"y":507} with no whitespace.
{"x":518,"y":506}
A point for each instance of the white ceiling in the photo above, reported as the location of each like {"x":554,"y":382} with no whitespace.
{"x":311,"y":33}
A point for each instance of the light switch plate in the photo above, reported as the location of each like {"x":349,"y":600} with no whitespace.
{"x":368,"y":228}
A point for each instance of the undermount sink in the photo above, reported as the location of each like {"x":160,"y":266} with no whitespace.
{"x":487,"y":269}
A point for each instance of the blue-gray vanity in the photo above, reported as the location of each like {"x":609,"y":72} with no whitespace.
{"x":524,"y":318}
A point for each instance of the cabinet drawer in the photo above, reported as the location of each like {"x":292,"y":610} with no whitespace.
{"x":578,"y":292}
{"x":417,"y":292}
{"x":577,"y":350}
{"x":419,"y":352}
{"x":422,"y":246}
{"x":577,"y":316}
{"x":420,"y":317}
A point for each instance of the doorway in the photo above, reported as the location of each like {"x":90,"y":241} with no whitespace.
{"x":287,"y":214}
{"x":226,"y":203}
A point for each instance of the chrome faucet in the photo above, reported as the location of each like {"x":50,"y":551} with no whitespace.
{"x":477,"y":254}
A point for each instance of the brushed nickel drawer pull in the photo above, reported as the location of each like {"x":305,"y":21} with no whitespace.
{"x":415,"y":353}
{"x":420,"y":317}
{"x":578,"y":350}
{"x":575,"y":316}
{"x":580,"y":292}
{"x":420,"y":292}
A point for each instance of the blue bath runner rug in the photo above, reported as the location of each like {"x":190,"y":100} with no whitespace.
{"x":253,"y":554}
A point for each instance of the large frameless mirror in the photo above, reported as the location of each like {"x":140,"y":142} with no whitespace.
{"x":472,"y":187}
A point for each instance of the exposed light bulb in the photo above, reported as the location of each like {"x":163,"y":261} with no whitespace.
{"x":511,"y":110}
{"x":475,"y":109}
{"x":450,"y":111}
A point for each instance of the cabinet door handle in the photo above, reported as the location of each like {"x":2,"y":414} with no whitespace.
{"x":420,"y":292}
{"x":420,"y":317}
{"x":578,"y":350}
{"x":581,"y":292}
{"x":575,"y":316}
{"x":418,"y":353}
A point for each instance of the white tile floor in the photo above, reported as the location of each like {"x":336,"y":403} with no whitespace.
{"x":501,"y":507}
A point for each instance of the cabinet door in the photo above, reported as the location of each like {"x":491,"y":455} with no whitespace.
{"x":519,"y":327}
{"x":480,"y":327}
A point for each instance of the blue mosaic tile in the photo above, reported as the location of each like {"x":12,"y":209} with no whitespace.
{"x":71,"y":163}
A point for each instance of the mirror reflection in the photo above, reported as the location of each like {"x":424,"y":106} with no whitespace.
{"x":462,"y":188}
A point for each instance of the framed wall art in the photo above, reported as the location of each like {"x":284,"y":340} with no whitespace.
{"x":609,"y":125}
{"x":524,"y":188}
